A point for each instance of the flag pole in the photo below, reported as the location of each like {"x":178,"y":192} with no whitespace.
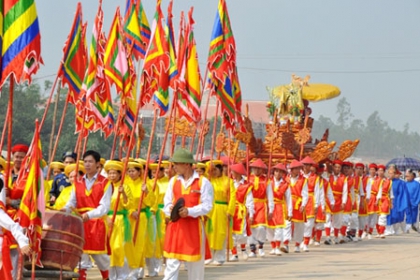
{"x":247,"y":146}
{"x":50,"y":147}
{"x":213,"y":137}
{"x":138,"y":151}
{"x":3,"y":134}
{"x":50,"y":98}
{"x":146,"y":170}
{"x":60,"y":128}
{"x":165,"y":137}
{"x":10,"y":128}
{"x":201,"y":135}
{"x":229,"y":194}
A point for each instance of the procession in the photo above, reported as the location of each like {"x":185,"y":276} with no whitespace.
{"x":167,"y":173}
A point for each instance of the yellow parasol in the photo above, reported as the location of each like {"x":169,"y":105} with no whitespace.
{"x":312,"y":92}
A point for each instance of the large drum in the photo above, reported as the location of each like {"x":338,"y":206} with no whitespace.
{"x":62,"y":240}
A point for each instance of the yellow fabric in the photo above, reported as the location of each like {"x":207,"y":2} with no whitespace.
{"x":119,"y":248}
{"x":63,"y":198}
{"x":223,"y":192}
{"x":154,"y":248}
{"x":136,"y":253}
{"x":47,"y":189}
{"x":314,"y":92}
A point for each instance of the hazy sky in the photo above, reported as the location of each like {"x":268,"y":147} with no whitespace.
{"x":369,"y":49}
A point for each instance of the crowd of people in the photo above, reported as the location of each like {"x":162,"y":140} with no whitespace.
{"x":210,"y":212}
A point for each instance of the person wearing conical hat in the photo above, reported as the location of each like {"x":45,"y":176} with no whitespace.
{"x":323,"y":215}
{"x":154,"y":247}
{"x":91,"y":198}
{"x":120,"y":230}
{"x":279,"y":227}
{"x":185,"y":238}
{"x":338,"y":185}
{"x":70,"y":172}
{"x":263,"y":204}
{"x":223,"y":210}
{"x":136,"y":252}
{"x":244,"y":211}
{"x":315,"y":198}
{"x":299,"y":190}
{"x":371,"y":192}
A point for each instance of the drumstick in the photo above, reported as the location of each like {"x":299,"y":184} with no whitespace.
{"x":76,"y":211}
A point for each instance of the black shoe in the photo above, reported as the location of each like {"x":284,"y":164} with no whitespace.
{"x":327,"y":242}
{"x":414,"y":228}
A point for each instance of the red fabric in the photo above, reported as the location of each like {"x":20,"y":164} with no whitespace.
{"x":296,"y":192}
{"x":273,"y":245}
{"x":280,"y":210}
{"x":336,"y":231}
{"x":319,"y":235}
{"x":343,"y":230}
{"x":187,"y":228}
{"x":348,"y":208}
{"x":6,"y":270}
{"x":278,"y":243}
{"x":337,"y":189}
{"x":360,"y":232}
{"x":372,"y":206}
{"x":306,"y":240}
{"x":20,"y":148}
{"x":385,"y":201}
{"x":286,"y":242}
{"x":310,"y":206}
{"x":95,"y":229}
{"x":234,"y":251}
{"x":259,"y":192}
{"x":327,"y":231}
{"x":240,"y":208}
{"x":105,"y":274}
{"x":82,"y":274}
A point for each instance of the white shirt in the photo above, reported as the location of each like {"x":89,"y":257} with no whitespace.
{"x":369,"y":185}
{"x":249,"y":202}
{"x":104,"y":203}
{"x":7,"y":223}
{"x":206,"y":196}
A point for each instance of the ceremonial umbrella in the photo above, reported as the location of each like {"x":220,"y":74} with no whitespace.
{"x":404,"y":163}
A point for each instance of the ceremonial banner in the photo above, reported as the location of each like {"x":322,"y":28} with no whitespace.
{"x":20,"y":40}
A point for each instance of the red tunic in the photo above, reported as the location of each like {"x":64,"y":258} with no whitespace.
{"x":183,"y":238}
{"x":320,"y":216}
{"x":385,"y":200}
{"x":296,"y":192}
{"x":259,"y":192}
{"x":348,"y":208}
{"x":310,"y":206}
{"x":96,"y":241}
{"x":280,"y":206}
{"x":240,"y":208}
{"x":363,"y":204}
{"x":372,"y":206}
{"x":337,"y":188}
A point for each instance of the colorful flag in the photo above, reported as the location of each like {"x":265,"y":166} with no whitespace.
{"x":21,"y":40}
{"x":136,"y":28}
{"x":169,"y":31}
{"x":74,"y":62}
{"x":190,"y":103}
{"x":116,"y":58}
{"x":95,"y":89}
{"x":222,"y":69}
{"x":32,"y":206}
{"x":155,"y":79}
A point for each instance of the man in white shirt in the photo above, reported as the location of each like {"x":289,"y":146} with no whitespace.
{"x":197,"y":193}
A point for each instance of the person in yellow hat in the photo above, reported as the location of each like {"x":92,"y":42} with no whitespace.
{"x":222,"y":213}
{"x":59,"y":182}
{"x":154,"y":246}
{"x":120,"y":230}
{"x":201,"y":168}
{"x":70,"y":172}
{"x":136,"y":252}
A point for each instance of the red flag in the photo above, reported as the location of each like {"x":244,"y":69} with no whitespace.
{"x":32,"y":206}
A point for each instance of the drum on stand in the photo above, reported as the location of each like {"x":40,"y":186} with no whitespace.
{"x":62,"y":241}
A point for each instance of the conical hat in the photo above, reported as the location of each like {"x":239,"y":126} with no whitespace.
{"x":308,"y":160}
{"x":259,"y":164}
{"x":238,"y":168}
{"x":280,"y":166}
{"x":295,"y":164}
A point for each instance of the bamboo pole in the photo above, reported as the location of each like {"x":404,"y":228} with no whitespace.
{"x":201,"y":137}
{"x":50,"y":147}
{"x":213,"y":137}
{"x":3,"y":134}
{"x":50,"y":98}
{"x":138,"y":145}
{"x":10,"y":129}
